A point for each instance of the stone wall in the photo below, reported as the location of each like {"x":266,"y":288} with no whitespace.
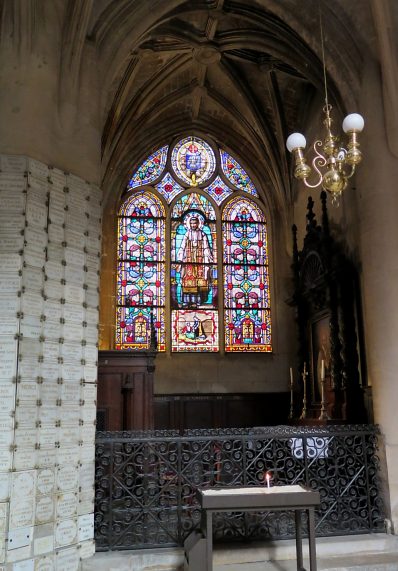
{"x":49,"y":259}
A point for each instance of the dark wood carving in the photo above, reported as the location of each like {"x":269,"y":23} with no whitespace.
{"x":125,"y":390}
{"x":328,"y":320}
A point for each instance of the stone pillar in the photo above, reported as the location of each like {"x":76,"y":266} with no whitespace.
{"x":49,"y":259}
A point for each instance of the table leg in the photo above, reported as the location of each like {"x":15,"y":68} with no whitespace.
{"x":311,"y":539}
{"x":299,"y":540}
{"x":207,"y":530}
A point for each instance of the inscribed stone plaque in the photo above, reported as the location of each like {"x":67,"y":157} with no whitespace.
{"x":72,"y":352}
{"x":56,"y":234}
{"x":13,"y":166}
{"x":49,"y":414}
{"x":6,"y":431}
{"x":11,"y":221}
{"x":8,"y":358}
{"x":92,"y":297}
{"x":89,"y":392}
{"x":7,"y":397}
{"x":35,"y":257}
{"x":45,"y":563}
{"x":30,"y":348}
{"x":57,"y":177}
{"x":86,"y":527}
{"x":74,"y":293}
{"x":32,"y":278}
{"x":38,"y":169}
{"x":22,"y":494}
{"x":90,"y":373}
{"x":49,"y":392}
{"x":25,"y":437}
{"x":69,"y":415}
{"x":44,"y":509}
{"x":70,"y":393}
{"x":92,"y":262}
{"x":68,"y":559}
{"x":55,"y":252}
{"x":91,"y":334}
{"x":35,"y":239}
{"x":5,"y":482}
{"x":74,"y":275}
{"x":9,"y":304}
{"x":36,"y":214}
{"x":9,"y":283}
{"x":88,"y":434}
{"x":73,"y":312}
{"x":18,"y":554}
{"x":45,"y":481}
{"x":54,"y":270}
{"x":32,"y":303}
{"x":92,"y":316}
{"x":27,"y":390}
{"x":53,"y":310}
{"x":88,"y":413}
{"x":24,"y":459}
{"x":67,"y":505}
{"x":67,"y":478}
{"x":75,"y":240}
{"x":86,"y":475}
{"x":68,"y":455}
{"x":72,"y":331}
{"x":72,"y":372}
{"x":66,"y":532}
{"x":57,"y":198}
{"x":52,"y":330}
{"x":87,"y":549}
{"x":5,"y":460}
{"x":53,"y":289}
{"x":43,"y":544}
{"x":76,"y":220}
{"x":46,"y":457}
{"x":69,"y":435}
{"x":87,"y":453}
{"x":48,"y":436}
{"x":56,"y":214}
{"x":31,"y":327}
{"x":19,"y":538}
{"x":26,"y":414}
{"x":51,"y":350}
{"x":10,"y":262}
{"x":51,"y":371}
{"x":75,"y":257}
{"x":9,"y":326}
{"x":11,"y":243}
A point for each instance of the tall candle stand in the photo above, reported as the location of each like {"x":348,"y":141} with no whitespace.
{"x":304,"y":376}
{"x":291,"y":413}
{"x":324,"y":413}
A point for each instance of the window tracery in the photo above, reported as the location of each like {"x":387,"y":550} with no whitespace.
{"x":172,"y":282}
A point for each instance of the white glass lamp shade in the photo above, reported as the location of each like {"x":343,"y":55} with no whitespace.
{"x":353,"y":122}
{"x":295,"y":141}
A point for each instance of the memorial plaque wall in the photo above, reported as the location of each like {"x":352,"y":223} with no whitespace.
{"x":49,"y":254}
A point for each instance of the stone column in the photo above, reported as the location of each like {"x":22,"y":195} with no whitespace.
{"x":49,"y":259}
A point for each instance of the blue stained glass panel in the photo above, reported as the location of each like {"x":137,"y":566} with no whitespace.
{"x":236,"y":174}
{"x":246,"y":280}
{"x":218,"y":190}
{"x":150,"y":170}
{"x":168,"y":187}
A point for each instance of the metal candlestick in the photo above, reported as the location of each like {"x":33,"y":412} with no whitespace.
{"x":304,"y":376}
{"x":324,"y":414}
{"x":291,"y":396}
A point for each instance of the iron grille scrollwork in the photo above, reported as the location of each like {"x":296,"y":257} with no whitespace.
{"x":146,"y":482}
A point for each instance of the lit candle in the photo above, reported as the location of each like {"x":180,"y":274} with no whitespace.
{"x":268,"y":478}
{"x":291,"y":377}
{"x":323,"y":370}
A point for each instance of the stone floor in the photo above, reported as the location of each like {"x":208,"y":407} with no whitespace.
{"x":377,"y":552}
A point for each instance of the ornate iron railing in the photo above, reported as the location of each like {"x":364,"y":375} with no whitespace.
{"x":146,"y":482}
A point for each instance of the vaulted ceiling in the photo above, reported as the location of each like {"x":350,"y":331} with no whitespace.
{"x":245,"y":73}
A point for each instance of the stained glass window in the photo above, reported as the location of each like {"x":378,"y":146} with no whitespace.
{"x":150,"y":170}
{"x":218,"y":190}
{"x":193,"y":160}
{"x":141,"y":272}
{"x":246,"y":280}
{"x":168,"y":187}
{"x":194,"y":287}
{"x":236,"y":174}
{"x":211,"y":225}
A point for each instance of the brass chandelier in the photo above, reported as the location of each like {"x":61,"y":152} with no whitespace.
{"x":337,"y":163}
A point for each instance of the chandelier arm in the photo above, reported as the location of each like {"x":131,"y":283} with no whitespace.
{"x":318,"y":161}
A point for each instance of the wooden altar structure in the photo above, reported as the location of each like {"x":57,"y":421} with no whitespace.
{"x":328,"y":314}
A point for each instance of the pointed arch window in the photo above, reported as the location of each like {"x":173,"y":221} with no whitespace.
{"x":204,"y":285}
{"x":140,"y":272}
